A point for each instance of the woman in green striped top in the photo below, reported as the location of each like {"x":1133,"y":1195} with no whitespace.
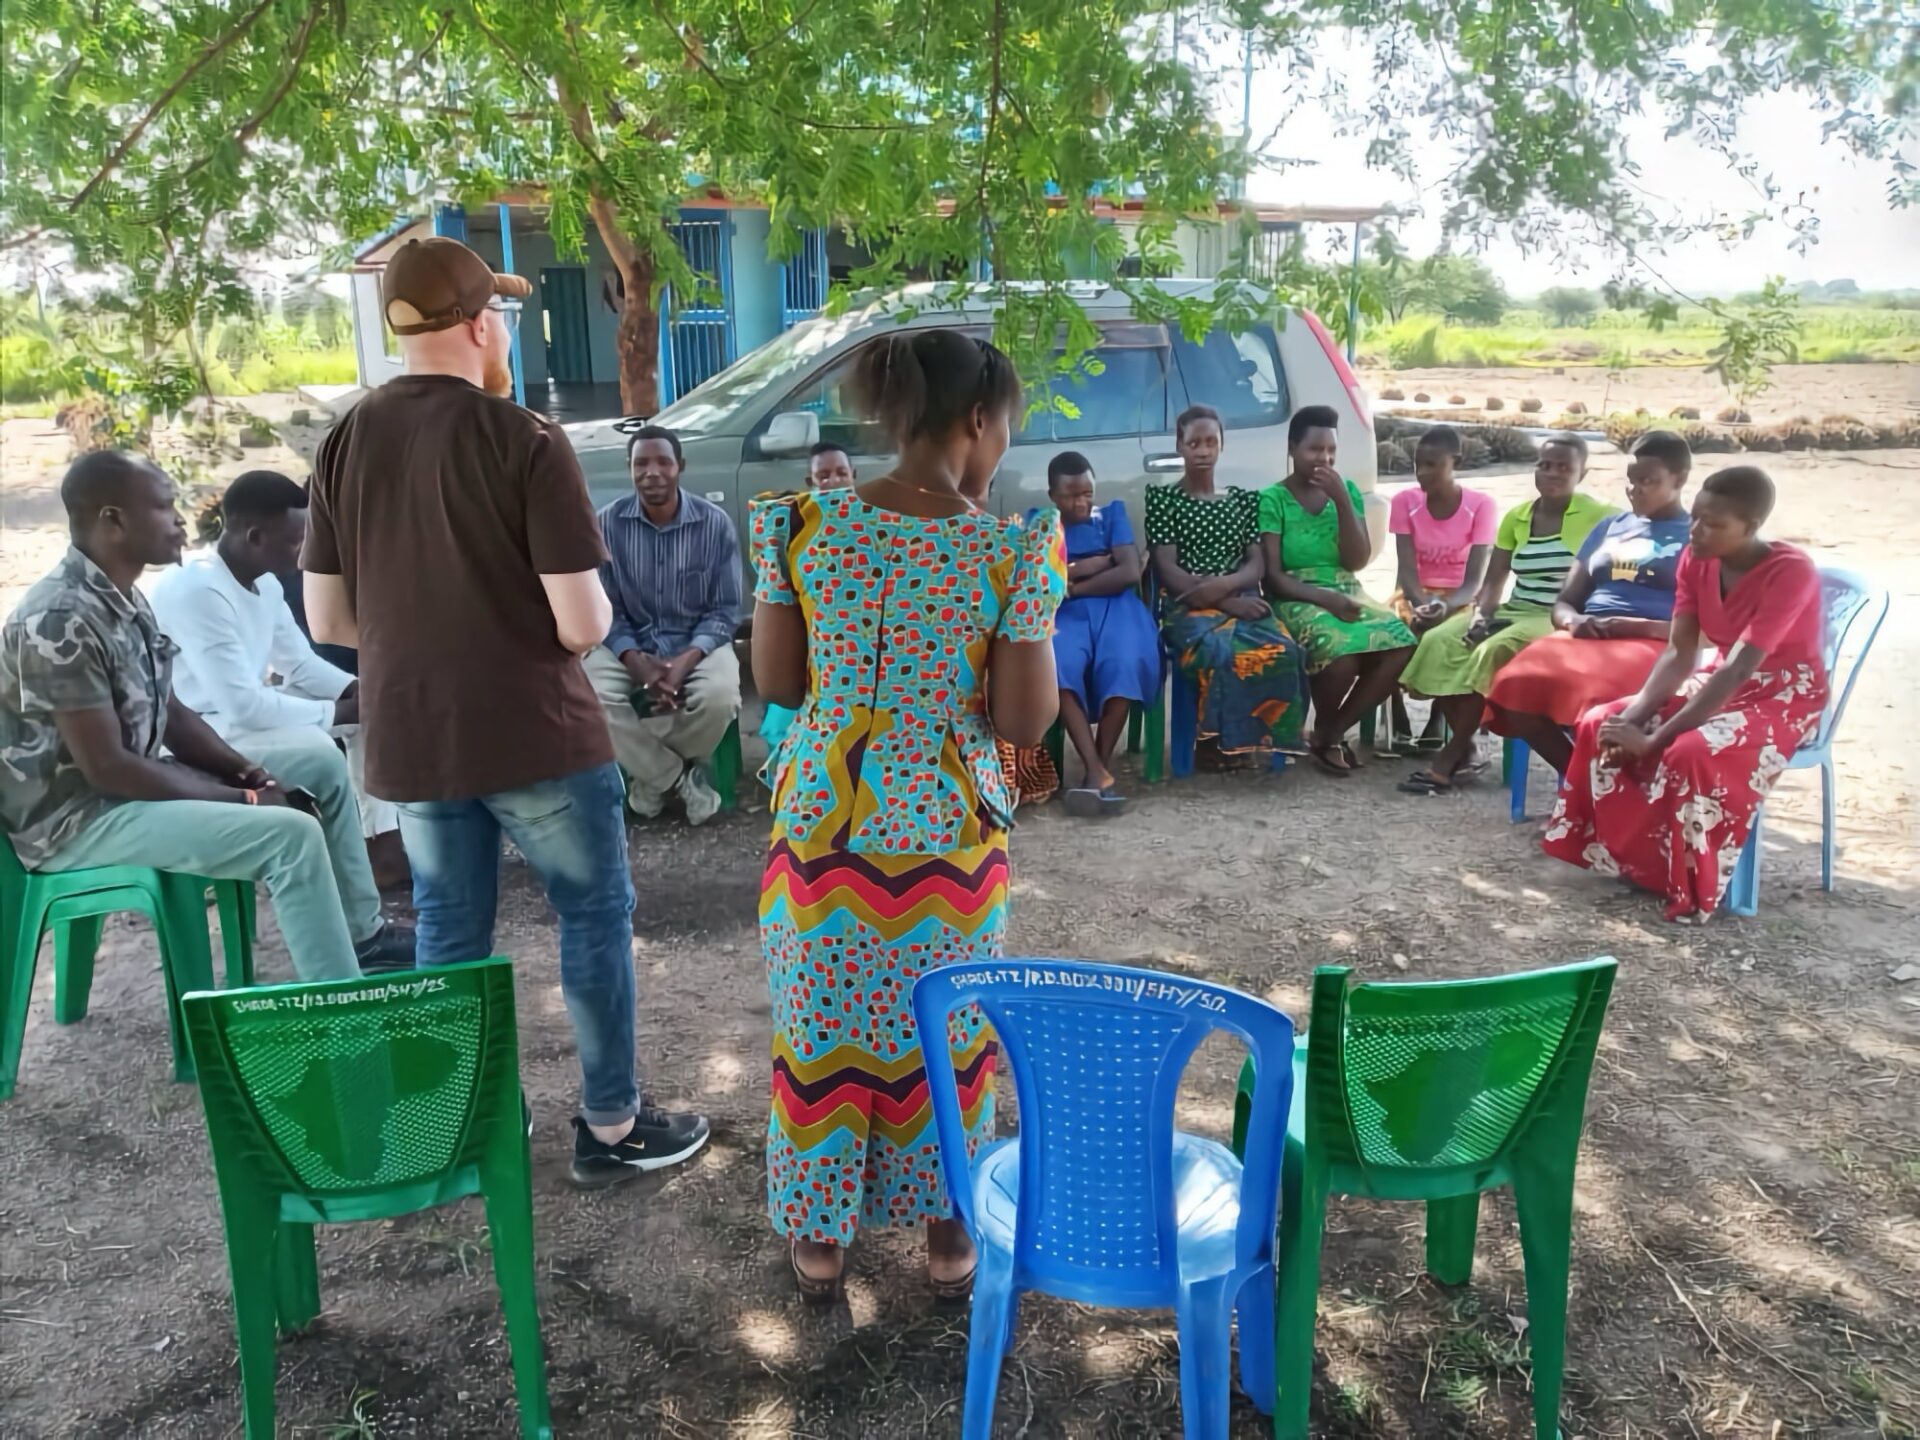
{"x":1537,"y":542}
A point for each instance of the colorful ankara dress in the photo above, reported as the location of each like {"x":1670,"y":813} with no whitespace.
{"x":1247,"y":675}
{"x":1310,"y":553}
{"x":889,"y":849}
{"x":1676,"y":822}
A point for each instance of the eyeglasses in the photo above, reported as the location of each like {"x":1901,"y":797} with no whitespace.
{"x":508,"y":311}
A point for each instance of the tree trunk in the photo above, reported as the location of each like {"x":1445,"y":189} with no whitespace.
{"x":638,"y":339}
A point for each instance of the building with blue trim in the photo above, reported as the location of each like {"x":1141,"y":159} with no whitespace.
{"x":567,"y":362}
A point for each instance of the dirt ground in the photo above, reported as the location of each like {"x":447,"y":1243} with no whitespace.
{"x":1747,"y":1246}
{"x":1874,"y":393}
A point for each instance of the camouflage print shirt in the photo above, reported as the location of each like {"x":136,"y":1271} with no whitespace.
{"x":76,"y":642}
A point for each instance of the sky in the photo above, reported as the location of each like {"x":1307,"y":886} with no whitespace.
{"x":1861,"y":237}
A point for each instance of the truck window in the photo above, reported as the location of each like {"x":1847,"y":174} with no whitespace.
{"x":1239,"y":375}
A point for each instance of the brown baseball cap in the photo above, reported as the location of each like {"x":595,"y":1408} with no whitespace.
{"x":438,"y":283}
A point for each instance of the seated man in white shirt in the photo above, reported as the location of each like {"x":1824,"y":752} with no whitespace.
{"x":225,"y":610}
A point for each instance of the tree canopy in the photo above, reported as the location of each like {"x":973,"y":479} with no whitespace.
{"x":168,"y":147}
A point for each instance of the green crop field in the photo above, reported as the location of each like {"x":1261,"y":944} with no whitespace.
{"x":1830,"y":334}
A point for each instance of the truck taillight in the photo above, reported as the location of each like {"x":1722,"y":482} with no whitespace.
{"x":1345,"y":371}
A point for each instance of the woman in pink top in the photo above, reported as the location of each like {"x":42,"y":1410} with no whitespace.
{"x":1663,"y":788}
{"x":1445,"y":539}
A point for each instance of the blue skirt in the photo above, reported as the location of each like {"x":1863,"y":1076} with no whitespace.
{"x":1106,"y":647}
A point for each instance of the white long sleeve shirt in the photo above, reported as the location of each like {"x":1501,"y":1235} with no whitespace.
{"x":229,"y":638}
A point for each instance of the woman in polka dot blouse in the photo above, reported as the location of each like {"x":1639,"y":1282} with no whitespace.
{"x":1247,"y":673}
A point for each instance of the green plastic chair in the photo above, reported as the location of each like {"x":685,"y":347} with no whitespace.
{"x":723,"y":769}
{"x":1437,"y":1092}
{"x":723,"y":766}
{"x":73,"y":904}
{"x":1150,"y":719}
{"x":349,"y":1100}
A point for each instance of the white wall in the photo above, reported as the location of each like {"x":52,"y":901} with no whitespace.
{"x":369,"y":332}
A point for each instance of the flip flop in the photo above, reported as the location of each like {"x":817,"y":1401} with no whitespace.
{"x":1082,"y":803}
{"x":1425,"y":782}
{"x":1320,"y":755}
{"x":1350,"y":755}
{"x":1112,"y":802}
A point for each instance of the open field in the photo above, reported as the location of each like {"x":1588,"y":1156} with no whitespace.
{"x":1830,"y":334}
{"x":1746,"y":1253}
{"x":1874,"y":393}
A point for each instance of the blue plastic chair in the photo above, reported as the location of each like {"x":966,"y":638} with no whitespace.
{"x":1099,"y":1199}
{"x":1517,"y":756}
{"x":1849,"y":600}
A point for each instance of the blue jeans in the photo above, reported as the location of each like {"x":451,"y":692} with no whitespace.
{"x":573,"y":834}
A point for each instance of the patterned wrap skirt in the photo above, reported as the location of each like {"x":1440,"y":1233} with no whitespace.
{"x":1325,"y":637}
{"x":1249,"y":677}
{"x":1675,"y":823}
{"x":851,"y":1140}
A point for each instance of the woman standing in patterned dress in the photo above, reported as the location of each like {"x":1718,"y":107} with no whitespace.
{"x":883,"y":613}
{"x":1246,"y":672}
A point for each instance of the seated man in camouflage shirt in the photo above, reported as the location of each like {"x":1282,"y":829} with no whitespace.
{"x":87,"y":704}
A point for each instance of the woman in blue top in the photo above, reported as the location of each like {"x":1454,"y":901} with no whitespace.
{"x":1612,"y":617}
{"x":1105,"y":646}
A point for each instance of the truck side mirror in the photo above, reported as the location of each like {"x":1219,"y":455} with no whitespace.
{"x":793,"y":433}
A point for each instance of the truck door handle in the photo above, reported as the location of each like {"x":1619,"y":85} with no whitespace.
{"x":1164,"y":464}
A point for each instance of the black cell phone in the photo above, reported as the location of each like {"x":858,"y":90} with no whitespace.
{"x":301,"y":798}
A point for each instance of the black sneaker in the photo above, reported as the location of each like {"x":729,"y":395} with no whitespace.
{"x":390,"y":948}
{"x":658,"y":1138}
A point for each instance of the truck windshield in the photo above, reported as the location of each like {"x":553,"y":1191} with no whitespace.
{"x":707,"y":406}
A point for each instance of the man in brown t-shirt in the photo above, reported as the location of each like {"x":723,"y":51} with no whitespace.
{"x":450,"y":539}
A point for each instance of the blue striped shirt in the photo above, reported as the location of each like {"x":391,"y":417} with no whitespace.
{"x":674,"y":585}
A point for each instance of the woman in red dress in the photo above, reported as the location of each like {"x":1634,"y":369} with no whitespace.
{"x":1663,"y":788}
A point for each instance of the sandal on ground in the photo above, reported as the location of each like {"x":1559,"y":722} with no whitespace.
{"x":1112,"y":802}
{"x":953,"y":1291}
{"x":1351,"y":756}
{"x":815,"y":1289}
{"x":1425,"y":782}
{"x":1323,"y":757}
{"x":1082,"y":803}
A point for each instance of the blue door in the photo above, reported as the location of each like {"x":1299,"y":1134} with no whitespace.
{"x":563,"y":321}
{"x":697,"y":328}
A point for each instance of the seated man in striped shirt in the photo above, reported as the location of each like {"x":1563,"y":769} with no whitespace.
{"x":666,"y":672}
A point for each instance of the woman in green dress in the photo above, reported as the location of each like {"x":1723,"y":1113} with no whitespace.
{"x":1313,"y":531}
{"x":1243,"y":667}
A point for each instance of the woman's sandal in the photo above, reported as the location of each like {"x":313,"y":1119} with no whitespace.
{"x":815,"y":1289}
{"x":1082,"y":802}
{"x":1425,"y":782}
{"x":1322,"y":756}
{"x":949,"y":1292}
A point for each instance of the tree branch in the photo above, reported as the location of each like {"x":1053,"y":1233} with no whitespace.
{"x":993,"y":117}
{"x":780,"y":34}
{"x":251,"y":126}
{"x":692,"y":53}
{"x":132,"y":137}
{"x":493,"y":38}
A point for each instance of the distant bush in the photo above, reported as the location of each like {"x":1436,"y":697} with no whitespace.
{"x":1417,"y":352}
{"x":1569,"y":305}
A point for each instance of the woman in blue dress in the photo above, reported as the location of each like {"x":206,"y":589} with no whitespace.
{"x":1105,"y":645}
